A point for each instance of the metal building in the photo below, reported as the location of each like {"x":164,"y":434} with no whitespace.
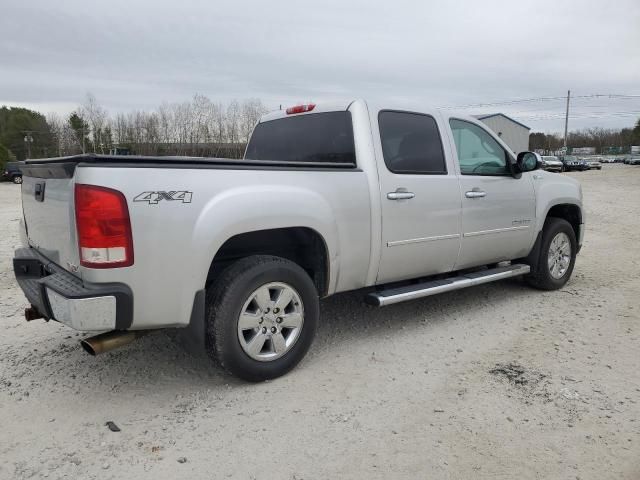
{"x":512,"y":132}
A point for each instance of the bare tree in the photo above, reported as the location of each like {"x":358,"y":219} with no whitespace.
{"x":56,"y":125}
{"x":199,"y":127}
{"x":96,"y":116}
{"x":251,"y":112}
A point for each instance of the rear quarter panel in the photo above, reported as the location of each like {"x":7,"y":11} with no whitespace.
{"x":175,"y":242}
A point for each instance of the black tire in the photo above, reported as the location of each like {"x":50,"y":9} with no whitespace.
{"x":17,"y":179}
{"x":542,"y":278}
{"x":225,"y":300}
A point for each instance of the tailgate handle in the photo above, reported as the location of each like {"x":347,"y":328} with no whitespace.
{"x":39,"y":191}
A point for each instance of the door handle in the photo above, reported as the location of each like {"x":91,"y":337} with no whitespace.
{"x":39,"y":191}
{"x":399,"y":195}
{"x":475,"y":194}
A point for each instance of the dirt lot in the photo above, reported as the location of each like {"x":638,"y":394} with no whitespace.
{"x":499,"y":381}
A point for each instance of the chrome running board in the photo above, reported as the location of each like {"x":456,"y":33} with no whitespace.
{"x":425,"y":289}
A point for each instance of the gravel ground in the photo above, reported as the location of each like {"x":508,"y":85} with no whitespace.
{"x":498,"y":381}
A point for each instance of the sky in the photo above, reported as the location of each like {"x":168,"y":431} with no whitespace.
{"x":477,"y":56}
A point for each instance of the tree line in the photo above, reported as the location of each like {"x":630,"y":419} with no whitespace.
{"x":605,"y":140}
{"x":199,"y":127}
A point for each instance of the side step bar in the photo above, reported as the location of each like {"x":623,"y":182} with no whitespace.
{"x":425,"y":289}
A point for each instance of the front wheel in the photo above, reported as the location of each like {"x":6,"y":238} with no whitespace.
{"x":17,"y":179}
{"x":557,"y":256}
{"x":262,"y":315}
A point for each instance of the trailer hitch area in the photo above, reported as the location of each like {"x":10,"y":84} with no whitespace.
{"x":32,"y":313}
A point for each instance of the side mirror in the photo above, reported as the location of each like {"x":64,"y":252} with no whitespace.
{"x":528,"y":161}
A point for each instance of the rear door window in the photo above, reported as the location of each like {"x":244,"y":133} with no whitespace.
{"x":325,"y":138}
{"x":411,"y":143}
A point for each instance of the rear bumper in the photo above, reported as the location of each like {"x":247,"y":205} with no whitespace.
{"x":59,"y":295}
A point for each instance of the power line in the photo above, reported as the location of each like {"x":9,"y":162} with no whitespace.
{"x":541,"y":99}
{"x":550,"y":109}
{"x":583,"y":116}
{"x":590,"y":112}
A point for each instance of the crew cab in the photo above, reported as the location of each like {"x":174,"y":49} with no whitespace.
{"x":397,"y":202}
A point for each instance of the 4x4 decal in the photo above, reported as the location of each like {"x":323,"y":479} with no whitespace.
{"x":153,"y":198}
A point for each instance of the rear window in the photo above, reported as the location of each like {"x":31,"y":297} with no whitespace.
{"x":312,"y":138}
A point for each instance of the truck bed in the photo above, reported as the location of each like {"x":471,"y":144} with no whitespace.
{"x":183,"y":209}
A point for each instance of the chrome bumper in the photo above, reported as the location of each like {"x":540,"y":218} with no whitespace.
{"x":87,"y":314}
{"x":59,"y":295}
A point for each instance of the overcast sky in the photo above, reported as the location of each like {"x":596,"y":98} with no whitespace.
{"x":135,"y":54}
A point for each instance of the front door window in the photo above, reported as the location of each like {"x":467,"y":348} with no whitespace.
{"x":478,"y":152}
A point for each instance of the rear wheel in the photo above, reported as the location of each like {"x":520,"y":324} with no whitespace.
{"x":262,"y":315}
{"x":17,"y":179}
{"x":557,"y":255}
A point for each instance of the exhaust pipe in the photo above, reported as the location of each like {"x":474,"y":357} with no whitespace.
{"x":108,"y":341}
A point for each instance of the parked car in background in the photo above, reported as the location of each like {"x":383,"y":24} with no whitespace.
{"x":594,"y":164}
{"x":571,"y":163}
{"x":12,"y":172}
{"x":634,"y":160}
{"x":620,"y":159}
{"x":552,"y":164}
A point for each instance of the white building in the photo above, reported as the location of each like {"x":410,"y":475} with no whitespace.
{"x":512,"y":132}
{"x":583,"y":151}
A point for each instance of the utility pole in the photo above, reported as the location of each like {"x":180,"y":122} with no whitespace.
{"x":28,"y":139}
{"x":566,"y":121}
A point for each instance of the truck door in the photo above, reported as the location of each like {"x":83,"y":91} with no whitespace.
{"x":498,"y":210}
{"x":420,"y":197}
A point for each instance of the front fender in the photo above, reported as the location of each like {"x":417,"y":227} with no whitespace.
{"x":553,"y":189}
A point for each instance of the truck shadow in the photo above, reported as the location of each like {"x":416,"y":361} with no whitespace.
{"x":346,"y":318}
{"x":157,"y":364}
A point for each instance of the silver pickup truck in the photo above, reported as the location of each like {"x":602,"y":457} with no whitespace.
{"x":398,"y":202}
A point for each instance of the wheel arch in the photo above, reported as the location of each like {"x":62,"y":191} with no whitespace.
{"x":302,"y":245}
{"x":253,"y":219}
{"x":570,"y":212}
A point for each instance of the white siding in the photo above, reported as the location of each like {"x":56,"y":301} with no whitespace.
{"x":513,"y":134}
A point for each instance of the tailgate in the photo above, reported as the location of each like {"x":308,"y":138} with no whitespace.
{"x":47,"y":203}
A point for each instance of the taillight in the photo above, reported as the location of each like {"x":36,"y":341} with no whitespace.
{"x":104,"y":228}
{"x":301,"y":108}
